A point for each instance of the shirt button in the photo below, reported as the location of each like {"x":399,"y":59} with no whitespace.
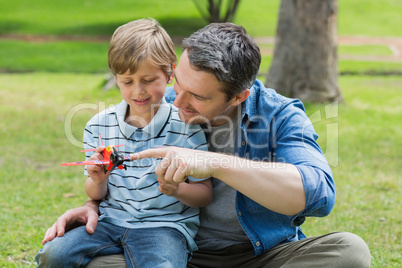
{"x":257,"y":243}
{"x":239,"y":213}
{"x":243,"y":143}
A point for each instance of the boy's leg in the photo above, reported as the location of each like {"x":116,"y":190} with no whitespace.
{"x":155,"y":247}
{"x":76,"y":248}
{"x":331,"y":250}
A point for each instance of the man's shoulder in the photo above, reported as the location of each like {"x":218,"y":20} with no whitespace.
{"x":266,"y":101}
{"x":170,"y":94}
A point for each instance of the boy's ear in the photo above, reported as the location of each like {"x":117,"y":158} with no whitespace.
{"x":171,"y":79}
{"x":239,"y":98}
{"x":172,"y":76}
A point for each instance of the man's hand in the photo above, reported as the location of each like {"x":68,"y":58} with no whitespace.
{"x":179,"y":163}
{"x":85,"y":215}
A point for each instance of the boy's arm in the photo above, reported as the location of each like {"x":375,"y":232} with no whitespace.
{"x":192,"y":194}
{"x":96,"y":183}
{"x":95,"y":190}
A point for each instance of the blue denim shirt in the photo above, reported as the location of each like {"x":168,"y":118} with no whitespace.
{"x":275,"y":128}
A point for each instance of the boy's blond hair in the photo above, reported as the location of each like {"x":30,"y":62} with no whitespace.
{"x":139,"y":40}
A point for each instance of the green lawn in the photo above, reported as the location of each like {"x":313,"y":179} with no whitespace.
{"x":39,"y":136}
{"x":179,"y":17}
{"x":48,"y":91}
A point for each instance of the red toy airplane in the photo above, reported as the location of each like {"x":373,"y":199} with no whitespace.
{"x":112,"y":157}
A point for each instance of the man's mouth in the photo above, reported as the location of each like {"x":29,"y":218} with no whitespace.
{"x":188,"y":112}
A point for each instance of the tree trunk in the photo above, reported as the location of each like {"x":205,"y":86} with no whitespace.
{"x":304,"y":64}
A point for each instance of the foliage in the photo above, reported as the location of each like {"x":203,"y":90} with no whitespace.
{"x":217,"y":10}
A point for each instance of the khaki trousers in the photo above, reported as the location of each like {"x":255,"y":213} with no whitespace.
{"x":330,"y":250}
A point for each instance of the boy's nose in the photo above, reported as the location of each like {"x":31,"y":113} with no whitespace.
{"x":137,"y":89}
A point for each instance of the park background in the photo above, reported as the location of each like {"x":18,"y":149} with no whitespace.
{"x":53,"y":58}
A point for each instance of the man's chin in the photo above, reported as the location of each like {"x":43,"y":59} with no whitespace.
{"x":192,"y":118}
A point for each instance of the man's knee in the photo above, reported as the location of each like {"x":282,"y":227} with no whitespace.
{"x":355,"y":252}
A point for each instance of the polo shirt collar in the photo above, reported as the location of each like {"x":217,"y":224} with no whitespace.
{"x":152,"y":129}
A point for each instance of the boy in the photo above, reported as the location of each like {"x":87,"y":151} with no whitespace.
{"x":152,"y":223}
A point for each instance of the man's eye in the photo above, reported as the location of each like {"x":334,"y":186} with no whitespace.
{"x":198,"y":97}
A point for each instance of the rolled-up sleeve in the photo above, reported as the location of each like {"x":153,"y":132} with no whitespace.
{"x":295,"y":143}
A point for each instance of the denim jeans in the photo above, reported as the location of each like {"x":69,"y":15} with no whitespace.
{"x":331,"y":250}
{"x":145,"y":247}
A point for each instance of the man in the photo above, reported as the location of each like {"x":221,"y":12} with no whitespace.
{"x":268,"y":171}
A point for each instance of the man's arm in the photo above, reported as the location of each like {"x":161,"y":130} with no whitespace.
{"x":276,"y":186}
{"x":85,"y":215}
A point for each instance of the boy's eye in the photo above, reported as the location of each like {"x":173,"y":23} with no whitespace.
{"x":127,"y":83}
{"x":149,"y":80}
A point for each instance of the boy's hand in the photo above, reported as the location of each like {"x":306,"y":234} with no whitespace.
{"x":97,"y":172}
{"x":168,"y":189}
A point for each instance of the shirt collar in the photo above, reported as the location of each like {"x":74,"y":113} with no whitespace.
{"x":152,"y":129}
{"x":249,"y":106}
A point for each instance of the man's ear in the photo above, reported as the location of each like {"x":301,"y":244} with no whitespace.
{"x":242,"y":96}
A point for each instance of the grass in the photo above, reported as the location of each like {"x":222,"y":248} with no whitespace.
{"x":375,"y":50}
{"x":368,"y":175}
{"x":33,"y":182}
{"x":53,"y":56}
{"x":43,"y":82}
{"x":88,"y":57}
{"x":35,"y":187}
{"x":259,"y":17}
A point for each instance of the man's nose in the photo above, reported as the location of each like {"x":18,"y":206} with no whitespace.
{"x":180,"y":100}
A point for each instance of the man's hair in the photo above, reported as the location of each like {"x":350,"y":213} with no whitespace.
{"x":226,"y":51}
{"x":138,"y":40}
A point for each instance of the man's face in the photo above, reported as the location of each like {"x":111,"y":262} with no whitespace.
{"x":199,"y":96}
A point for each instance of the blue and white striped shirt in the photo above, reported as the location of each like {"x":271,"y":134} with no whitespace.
{"x":133,"y":199}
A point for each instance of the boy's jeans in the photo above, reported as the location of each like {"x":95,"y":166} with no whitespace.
{"x":146,"y":247}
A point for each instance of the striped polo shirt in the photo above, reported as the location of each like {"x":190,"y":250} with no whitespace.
{"x":133,"y":199}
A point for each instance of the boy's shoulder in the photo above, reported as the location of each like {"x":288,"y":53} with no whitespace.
{"x":106,"y":114}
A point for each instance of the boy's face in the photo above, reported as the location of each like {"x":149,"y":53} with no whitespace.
{"x":143,"y":91}
{"x":199,"y":96}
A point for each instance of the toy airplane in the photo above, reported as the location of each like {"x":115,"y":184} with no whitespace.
{"x":111,"y":156}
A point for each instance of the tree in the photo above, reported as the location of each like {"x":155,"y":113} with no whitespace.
{"x":217,"y":10}
{"x":304,"y":64}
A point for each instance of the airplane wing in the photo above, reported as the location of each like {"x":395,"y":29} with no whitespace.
{"x":90,"y":162}
{"x":94,"y":149}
